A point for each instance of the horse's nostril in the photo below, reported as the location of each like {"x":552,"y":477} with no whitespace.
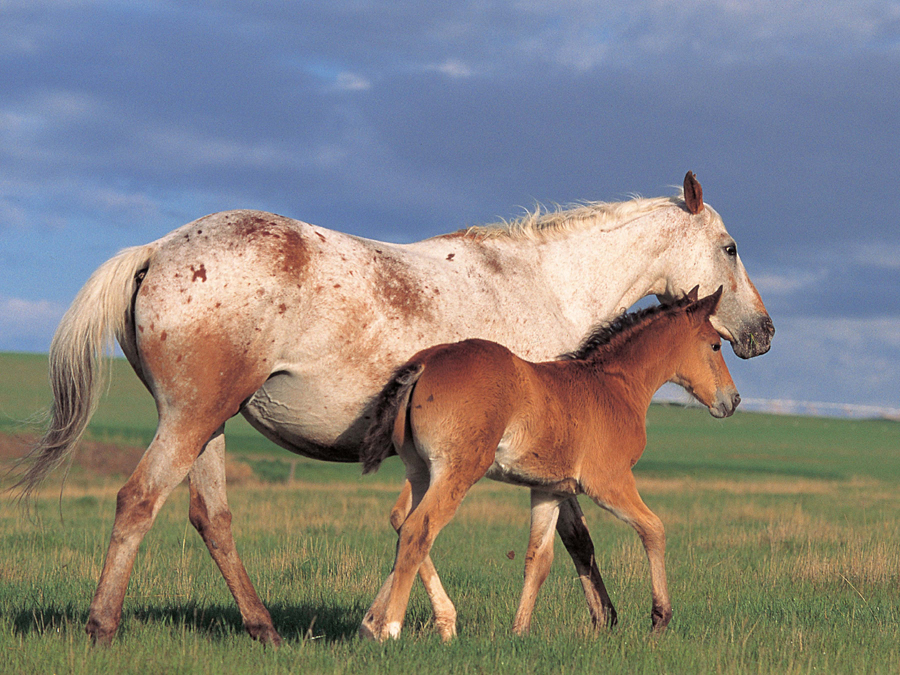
{"x":736,"y":400}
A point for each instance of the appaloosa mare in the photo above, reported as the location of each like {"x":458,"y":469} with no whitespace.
{"x":458,"y":412}
{"x":297,"y":328}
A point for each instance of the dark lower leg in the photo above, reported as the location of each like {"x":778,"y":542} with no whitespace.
{"x":573,"y":531}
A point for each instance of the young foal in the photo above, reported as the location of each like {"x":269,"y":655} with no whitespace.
{"x":458,"y":412}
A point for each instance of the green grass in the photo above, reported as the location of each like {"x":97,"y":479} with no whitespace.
{"x":783,"y":556}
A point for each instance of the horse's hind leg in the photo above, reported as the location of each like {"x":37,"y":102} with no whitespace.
{"x":573,"y":531}
{"x":209,"y":513}
{"x":164,"y":465}
{"x":539,"y":556}
{"x":444,"y":610}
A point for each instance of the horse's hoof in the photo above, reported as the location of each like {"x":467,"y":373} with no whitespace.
{"x":99,"y":635}
{"x":265,"y":634}
{"x":660,"y":618}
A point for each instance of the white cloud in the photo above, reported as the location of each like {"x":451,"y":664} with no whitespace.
{"x":881,"y":255}
{"x":843,"y":360}
{"x":347,"y":81}
{"x":453,"y":68}
{"x":28,"y":323}
{"x":786,"y":282}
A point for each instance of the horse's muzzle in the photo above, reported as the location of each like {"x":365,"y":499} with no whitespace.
{"x":755,"y":340}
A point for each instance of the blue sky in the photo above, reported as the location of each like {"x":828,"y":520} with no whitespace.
{"x":120,"y":121}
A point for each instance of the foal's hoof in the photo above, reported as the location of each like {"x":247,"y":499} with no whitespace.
{"x":612,"y":618}
{"x":446,"y":630}
{"x":369,"y":629}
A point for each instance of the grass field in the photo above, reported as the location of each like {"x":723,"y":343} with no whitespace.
{"x":783,"y":556}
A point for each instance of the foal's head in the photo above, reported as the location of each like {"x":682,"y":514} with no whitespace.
{"x":699,"y":365}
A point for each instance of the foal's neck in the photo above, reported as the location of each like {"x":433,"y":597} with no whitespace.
{"x":646,"y":360}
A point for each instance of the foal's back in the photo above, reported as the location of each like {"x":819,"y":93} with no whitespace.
{"x":529,"y":422}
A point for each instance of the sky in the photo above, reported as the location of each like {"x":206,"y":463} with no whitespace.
{"x":122,"y":120}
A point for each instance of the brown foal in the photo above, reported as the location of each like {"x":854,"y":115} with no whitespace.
{"x":458,"y":412}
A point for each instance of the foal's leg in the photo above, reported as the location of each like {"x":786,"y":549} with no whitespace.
{"x":209,"y":513}
{"x":163,"y":466}
{"x":625,"y":502}
{"x":444,"y":611}
{"x":573,"y":531}
{"x":417,"y":535}
{"x":538,"y":558}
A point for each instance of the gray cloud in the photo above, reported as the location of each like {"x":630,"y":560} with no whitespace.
{"x":120,"y":122}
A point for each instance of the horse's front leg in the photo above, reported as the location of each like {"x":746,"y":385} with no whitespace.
{"x":210,"y":515}
{"x":574,"y":533}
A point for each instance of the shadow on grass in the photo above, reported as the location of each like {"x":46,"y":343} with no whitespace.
{"x":328,"y":623}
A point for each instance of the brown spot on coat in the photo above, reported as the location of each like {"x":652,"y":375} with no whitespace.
{"x":492,"y":260}
{"x":450,"y":256}
{"x":199,"y":273}
{"x":400,"y":290}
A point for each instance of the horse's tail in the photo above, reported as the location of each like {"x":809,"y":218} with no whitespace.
{"x":389,"y":417}
{"x":99,"y":314}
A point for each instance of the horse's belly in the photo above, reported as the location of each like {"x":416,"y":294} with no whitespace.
{"x":315,"y":423}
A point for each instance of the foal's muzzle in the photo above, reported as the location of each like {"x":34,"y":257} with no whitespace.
{"x":725,"y":404}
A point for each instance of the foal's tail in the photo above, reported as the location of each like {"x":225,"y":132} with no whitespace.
{"x":390,"y":411}
{"x":99,"y":314}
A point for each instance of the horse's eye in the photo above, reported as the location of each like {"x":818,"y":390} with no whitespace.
{"x":716,"y":347}
{"x":731,"y":250}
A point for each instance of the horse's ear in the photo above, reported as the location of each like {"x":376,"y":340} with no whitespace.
{"x":705,"y":307}
{"x":693,"y":193}
{"x":692,"y":294}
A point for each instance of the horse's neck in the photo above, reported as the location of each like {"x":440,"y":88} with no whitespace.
{"x":599,"y":273}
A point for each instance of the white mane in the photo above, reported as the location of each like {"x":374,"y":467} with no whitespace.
{"x":544,"y":222}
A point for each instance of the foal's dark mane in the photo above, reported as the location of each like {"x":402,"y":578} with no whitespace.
{"x":622,"y":328}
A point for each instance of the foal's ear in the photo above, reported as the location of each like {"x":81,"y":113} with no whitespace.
{"x":692,"y":294}
{"x":693,"y":193}
{"x":705,"y":307}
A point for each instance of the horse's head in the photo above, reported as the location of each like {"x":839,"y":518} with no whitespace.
{"x":699,"y":365}
{"x":706,"y":255}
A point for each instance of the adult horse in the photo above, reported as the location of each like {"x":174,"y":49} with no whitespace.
{"x":298,"y":327}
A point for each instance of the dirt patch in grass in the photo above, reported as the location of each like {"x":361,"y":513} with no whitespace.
{"x":96,"y":458}
{"x":102,"y":459}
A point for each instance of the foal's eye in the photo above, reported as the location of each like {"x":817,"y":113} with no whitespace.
{"x":731,"y":250}
{"x":716,"y":347}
